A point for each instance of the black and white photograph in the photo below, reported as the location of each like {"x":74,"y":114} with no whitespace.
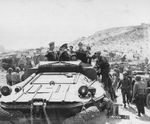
{"x":74,"y":61}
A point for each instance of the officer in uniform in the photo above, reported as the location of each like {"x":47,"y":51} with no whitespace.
{"x":63,"y":53}
{"x":104,"y":67}
{"x":125,"y":85}
{"x":139,"y":94}
{"x":51,"y":55}
{"x":81,"y":54}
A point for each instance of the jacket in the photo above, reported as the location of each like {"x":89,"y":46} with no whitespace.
{"x":139,"y":88}
{"x":125,"y":84}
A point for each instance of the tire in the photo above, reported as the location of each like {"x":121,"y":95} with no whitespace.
{"x":148,"y":101}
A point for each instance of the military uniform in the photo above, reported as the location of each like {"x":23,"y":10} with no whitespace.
{"x":64,"y":56}
{"x":81,"y":55}
{"x":63,"y":53}
{"x":102,"y":63}
{"x":139,"y":94}
{"x":125,"y":84}
{"x":51,"y":55}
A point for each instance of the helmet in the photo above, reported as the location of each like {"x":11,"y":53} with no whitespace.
{"x":138,"y":78}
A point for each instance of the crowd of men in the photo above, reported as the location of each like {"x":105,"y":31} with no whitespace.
{"x":131,"y":88}
{"x":68,"y":54}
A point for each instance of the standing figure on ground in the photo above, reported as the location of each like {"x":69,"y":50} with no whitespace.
{"x":38,"y":57}
{"x":22,"y":63}
{"x":115,"y":77}
{"x":9,"y":76}
{"x":28,"y":63}
{"x":125,"y":85}
{"x":16,"y":76}
{"x":139,"y":95}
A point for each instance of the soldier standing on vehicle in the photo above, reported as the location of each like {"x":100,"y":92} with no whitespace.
{"x":125,"y":85}
{"x":9,"y":76}
{"x":103,"y":67}
{"x":63,"y":53}
{"x":81,"y":54}
{"x":51,"y":55}
{"x":139,"y":95}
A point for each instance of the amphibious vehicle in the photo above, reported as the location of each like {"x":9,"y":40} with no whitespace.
{"x":54,"y":93}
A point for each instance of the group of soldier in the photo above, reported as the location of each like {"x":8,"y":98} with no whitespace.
{"x":65,"y":54}
{"x":130,"y":88}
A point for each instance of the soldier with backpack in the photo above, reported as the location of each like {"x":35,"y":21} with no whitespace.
{"x":139,"y":94}
{"x":125,"y":85}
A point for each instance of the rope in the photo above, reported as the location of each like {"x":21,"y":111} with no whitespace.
{"x":45,"y":113}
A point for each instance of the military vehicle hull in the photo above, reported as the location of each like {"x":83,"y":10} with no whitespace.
{"x":56,"y":92}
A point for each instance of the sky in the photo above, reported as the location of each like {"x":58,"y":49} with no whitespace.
{"x":34,"y":23}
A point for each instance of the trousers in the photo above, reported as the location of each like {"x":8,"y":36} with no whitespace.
{"x":140,"y":104}
{"x":125,"y":96}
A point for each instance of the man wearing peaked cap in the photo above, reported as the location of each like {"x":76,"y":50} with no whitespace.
{"x":51,"y":55}
{"x":81,"y":54}
{"x":65,"y":46}
{"x":63,"y":54}
{"x":51,"y":43}
{"x":80,"y":44}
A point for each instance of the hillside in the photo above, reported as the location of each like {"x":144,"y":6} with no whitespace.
{"x":132,"y":39}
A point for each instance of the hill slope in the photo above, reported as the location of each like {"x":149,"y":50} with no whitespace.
{"x":134,"y":39}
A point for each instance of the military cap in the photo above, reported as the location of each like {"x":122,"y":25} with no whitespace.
{"x":10,"y":69}
{"x":64,"y":46}
{"x":80,"y":43}
{"x":17,"y":69}
{"x":88,"y":47}
{"x":71,"y":46}
{"x":138,"y":78}
{"x":51,"y":43}
{"x":125,"y":73}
